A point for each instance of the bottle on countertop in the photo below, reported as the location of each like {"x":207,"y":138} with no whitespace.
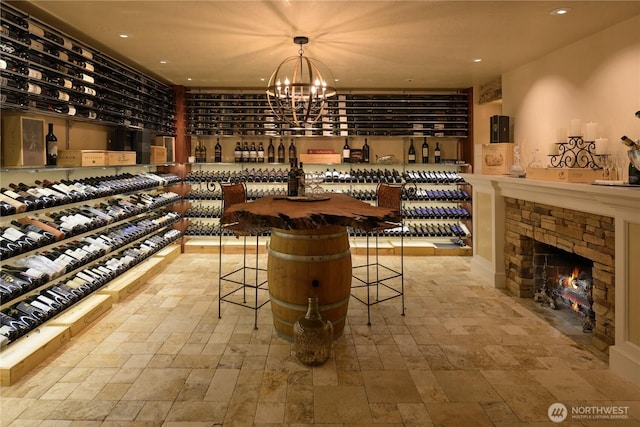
{"x":411,"y":156}
{"x":301,"y":181}
{"x":436,"y":153}
{"x":346,"y":152}
{"x":366,"y":153}
{"x":293,"y":154}
{"x":292,"y":181}
{"x":237,"y":153}
{"x":634,"y":173}
{"x":281,"y":152}
{"x":271,"y":154}
{"x":52,"y":147}
{"x":217,"y":157}
{"x":245,"y":152}
{"x":425,"y":151}
{"x":253,"y":153}
{"x":260,"y":153}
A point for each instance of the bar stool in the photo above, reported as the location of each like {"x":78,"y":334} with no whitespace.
{"x":385,"y":276}
{"x":231,"y":195}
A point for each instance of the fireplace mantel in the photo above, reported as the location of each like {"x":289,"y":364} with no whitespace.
{"x":620,"y":203}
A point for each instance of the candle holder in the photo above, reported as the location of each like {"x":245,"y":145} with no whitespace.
{"x":576,"y":153}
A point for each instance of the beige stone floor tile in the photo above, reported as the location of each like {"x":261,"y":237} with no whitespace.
{"x":390,"y":386}
{"x":340,"y":404}
{"x":463,"y":355}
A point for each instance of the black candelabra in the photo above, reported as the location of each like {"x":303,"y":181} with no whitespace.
{"x":576,"y":153}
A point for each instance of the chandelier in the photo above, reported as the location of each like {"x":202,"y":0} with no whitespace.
{"x":299,"y":88}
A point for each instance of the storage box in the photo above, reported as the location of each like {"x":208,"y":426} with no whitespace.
{"x":82,"y":158}
{"x":320,"y":159}
{"x":158,"y":154}
{"x":168,"y":142}
{"x":121,"y":158}
{"x":23,"y":141}
{"x":564,"y":174}
{"x":497,"y":158}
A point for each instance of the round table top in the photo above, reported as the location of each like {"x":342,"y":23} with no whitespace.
{"x":303,"y":214}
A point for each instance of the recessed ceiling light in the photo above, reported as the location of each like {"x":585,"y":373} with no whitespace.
{"x":189,"y":78}
{"x":560,"y":11}
{"x":163,"y":61}
{"x":477,"y":60}
{"x":124,"y":36}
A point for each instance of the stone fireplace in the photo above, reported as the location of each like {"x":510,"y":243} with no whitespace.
{"x":588,"y":236}
{"x":512,"y":216}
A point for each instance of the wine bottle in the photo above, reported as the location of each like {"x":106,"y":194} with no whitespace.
{"x":411,"y":157}
{"x":292,"y":182}
{"x":301,"y":182}
{"x":281,"y":152}
{"x":346,"y":152}
{"x":237,"y":153}
{"x":425,"y":151}
{"x":366,"y":152}
{"x":293,"y":152}
{"x":634,"y":175}
{"x":245,"y":152}
{"x":253,"y":153}
{"x":260,"y":153}
{"x":271,"y":156}
{"x":52,"y":147}
{"x":436,"y":154}
{"x":217,"y":157}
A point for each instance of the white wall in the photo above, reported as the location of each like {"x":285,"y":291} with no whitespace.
{"x":596,"y":79}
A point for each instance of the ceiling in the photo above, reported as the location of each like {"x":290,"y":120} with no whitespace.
{"x":366,"y":44}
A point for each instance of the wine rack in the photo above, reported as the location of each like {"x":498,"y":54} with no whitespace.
{"x":436,"y":201}
{"x":45,"y":71}
{"x":118,"y":221}
{"x":247,"y":113}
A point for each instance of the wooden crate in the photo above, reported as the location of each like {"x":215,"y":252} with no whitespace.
{"x":121,"y":158}
{"x":577,"y":175}
{"x":30,"y":350}
{"x":158,"y":154}
{"x":82,"y":158}
{"x":320,"y":159}
{"x":497,"y":158}
{"x":23,"y":141}
{"x":80,"y":316}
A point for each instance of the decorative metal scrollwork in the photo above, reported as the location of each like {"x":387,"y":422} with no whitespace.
{"x":576,"y":153}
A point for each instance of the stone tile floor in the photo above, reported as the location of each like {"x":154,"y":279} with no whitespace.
{"x":464,"y":355}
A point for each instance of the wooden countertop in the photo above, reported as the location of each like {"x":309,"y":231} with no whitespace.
{"x":279,"y":212}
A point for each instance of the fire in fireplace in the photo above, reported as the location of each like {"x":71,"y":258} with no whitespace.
{"x":564,"y":280}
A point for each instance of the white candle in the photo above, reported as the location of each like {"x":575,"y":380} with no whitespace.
{"x":553,"y":149}
{"x":561,"y":135}
{"x":602,"y":146}
{"x":590,"y":131}
{"x":576,"y":127}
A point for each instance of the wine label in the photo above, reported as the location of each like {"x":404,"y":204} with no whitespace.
{"x":63,"y":96}
{"x":11,"y":194}
{"x":87,"y":78}
{"x":3,"y":64}
{"x":35,"y":29}
{"x":89,"y":66}
{"x":34,"y":74}
{"x":63,"y":55}
{"x":84,"y":52}
{"x":72,"y":111}
{"x":31,"y":88}
{"x":68,"y":84}
{"x":67,"y":43}
{"x":37,"y":45}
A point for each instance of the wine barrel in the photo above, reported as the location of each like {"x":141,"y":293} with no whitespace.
{"x":300,"y":259}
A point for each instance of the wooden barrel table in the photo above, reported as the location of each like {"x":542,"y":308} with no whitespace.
{"x":306,"y":263}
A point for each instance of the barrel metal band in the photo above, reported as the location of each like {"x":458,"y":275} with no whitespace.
{"x":303,"y":308}
{"x":287,"y":323}
{"x":309,"y":258}
{"x":307,"y":236}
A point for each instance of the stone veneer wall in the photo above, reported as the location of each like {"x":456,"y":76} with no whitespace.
{"x":588,"y":235}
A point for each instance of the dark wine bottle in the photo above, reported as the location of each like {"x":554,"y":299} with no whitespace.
{"x":436,"y":154}
{"x":292,"y":181}
{"x":293,"y":155}
{"x":253,"y":153}
{"x":245,"y":152}
{"x":346,"y":152}
{"x":366,"y":155}
{"x":411,"y":157}
{"x":217,"y":156}
{"x":260,"y":153}
{"x":237,"y":153}
{"x":271,"y":155}
{"x":52,"y":147}
{"x":425,"y":151}
{"x":281,"y":152}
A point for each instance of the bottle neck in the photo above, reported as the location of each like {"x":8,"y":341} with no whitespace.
{"x":313,"y":310}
